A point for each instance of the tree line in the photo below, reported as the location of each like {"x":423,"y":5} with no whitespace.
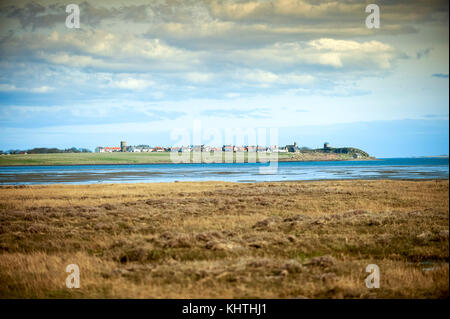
{"x":45,"y":150}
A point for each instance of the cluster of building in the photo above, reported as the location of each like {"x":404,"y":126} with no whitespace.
{"x":132,"y":149}
{"x":109,"y":149}
{"x":201,"y":148}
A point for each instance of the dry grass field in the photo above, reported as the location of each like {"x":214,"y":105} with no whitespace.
{"x":226,"y":240}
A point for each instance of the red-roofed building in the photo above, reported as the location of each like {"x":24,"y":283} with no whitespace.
{"x":108,"y":149}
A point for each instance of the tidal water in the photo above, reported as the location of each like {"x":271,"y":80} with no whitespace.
{"x":387,"y":168}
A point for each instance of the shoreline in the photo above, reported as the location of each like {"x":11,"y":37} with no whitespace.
{"x":90,"y":174}
{"x":214,"y":182}
{"x":165,"y":163}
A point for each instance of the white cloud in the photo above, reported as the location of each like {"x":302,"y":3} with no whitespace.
{"x":13,"y":88}
{"x":42,"y":89}
{"x":71,"y":60}
{"x":260,"y":76}
{"x":124,"y":45}
{"x":132,"y":84}
{"x":198,"y":77}
{"x":367,"y":55}
{"x":232,"y":95}
{"x":7,"y":88}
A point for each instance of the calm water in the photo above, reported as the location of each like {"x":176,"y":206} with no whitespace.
{"x":392,"y":168}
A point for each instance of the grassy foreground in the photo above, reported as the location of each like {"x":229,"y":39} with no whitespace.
{"x":215,"y":239}
{"x":143,"y":158}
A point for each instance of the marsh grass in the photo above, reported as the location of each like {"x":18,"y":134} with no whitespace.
{"x":226,"y":240}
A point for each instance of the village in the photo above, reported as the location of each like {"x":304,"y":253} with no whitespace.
{"x":205,"y":148}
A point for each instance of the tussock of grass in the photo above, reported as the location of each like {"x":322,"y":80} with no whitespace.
{"x":195,"y":240}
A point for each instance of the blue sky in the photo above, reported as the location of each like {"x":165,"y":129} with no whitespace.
{"x":137,"y":70}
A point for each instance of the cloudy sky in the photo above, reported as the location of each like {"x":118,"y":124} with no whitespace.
{"x":138,"y":70}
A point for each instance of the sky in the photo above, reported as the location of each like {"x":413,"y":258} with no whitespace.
{"x":140,"y":71}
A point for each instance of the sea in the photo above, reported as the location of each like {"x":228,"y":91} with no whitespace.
{"x":383,"y":168}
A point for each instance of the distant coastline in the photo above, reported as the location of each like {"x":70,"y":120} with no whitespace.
{"x":78,"y":159}
{"x":160,"y":163}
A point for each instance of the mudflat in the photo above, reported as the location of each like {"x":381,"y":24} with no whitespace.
{"x":226,"y":240}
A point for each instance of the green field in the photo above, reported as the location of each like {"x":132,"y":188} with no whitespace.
{"x":144,"y":158}
{"x":89,"y":158}
{"x":84,"y":158}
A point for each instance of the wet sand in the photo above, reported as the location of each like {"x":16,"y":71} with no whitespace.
{"x":233,"y":172}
